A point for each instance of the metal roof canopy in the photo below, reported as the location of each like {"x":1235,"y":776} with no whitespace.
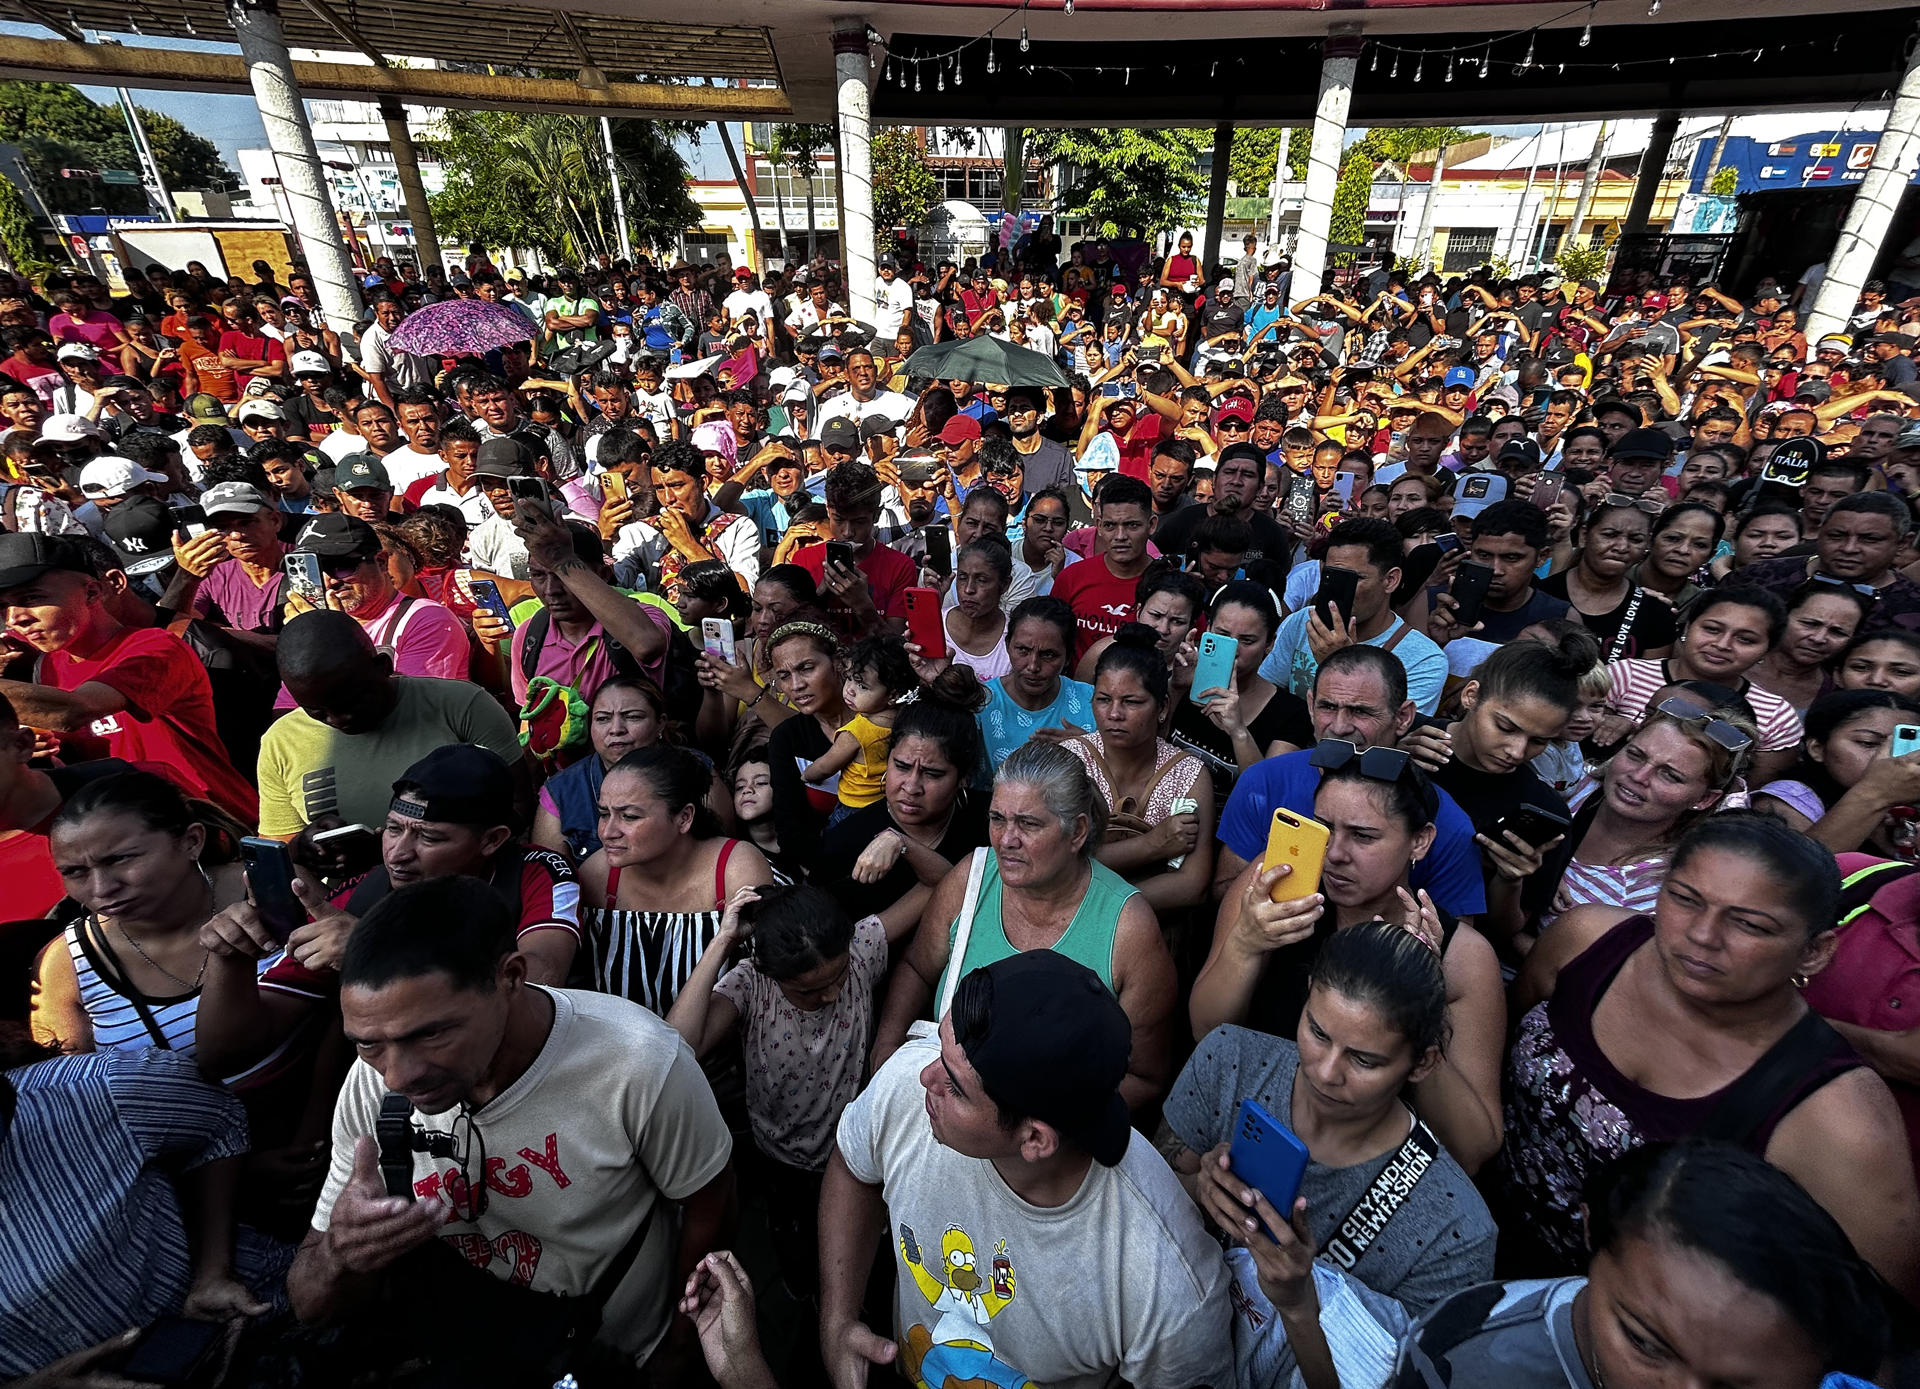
{"x":1856,"y":58}
{"x":483,"y":33}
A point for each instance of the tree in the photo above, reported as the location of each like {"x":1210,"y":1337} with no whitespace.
{"x":1402,"y":143}
{"x":57,"y":127}
{"x":798,"y":147}
{"x":1132,"y":181}
{"x":1256,"y":149}
{"x":1350,"y":197}
{"x":1725,"y":181}
{"x":540,"y":180}
{"x":904,"y":189}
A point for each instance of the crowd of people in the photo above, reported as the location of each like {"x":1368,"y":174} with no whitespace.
{"x":507,"y":855}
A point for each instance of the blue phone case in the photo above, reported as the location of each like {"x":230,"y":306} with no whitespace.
{"x":1906,"y":739}
{"x":1214,"y":667}
{"x":1268,"y":1157}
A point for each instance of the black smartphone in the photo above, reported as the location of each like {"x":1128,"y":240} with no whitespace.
{"x":355,"y":846}
{"x":1337,"y":589}
{"x":270,"y":880}
{"x":192,"y":520}
{"x":1533,"y":823}
{"x":1470,"y":584}
{"x":393,"y":1131}
{"x":940,"y":550}
{"x":1448,"y":543}
{"x":532,"y":489}
{"x":172,"y":1350}
{"x":840,"y":552}
{"x":486,"y":594}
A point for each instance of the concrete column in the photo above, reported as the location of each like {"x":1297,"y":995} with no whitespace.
{"x":1340,"y":57}
{"x":1870,"y":215}
{"x":619,"y":197}
{"x":406,"y":167}
{"x":856,"y":163}
{"x":1423,"y":241}
{"x":1653,"y":171}
{"x":256,"y":23}
{"x":1589,"y":185}
{"x":1216,"y":197}
{"x":1013,"y":170}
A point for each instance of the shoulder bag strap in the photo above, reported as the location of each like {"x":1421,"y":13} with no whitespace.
{"x":1399,"y":636}
{"x":107,"y":965}
{"x":957,"y":956}
{"x":1384,"y":1196}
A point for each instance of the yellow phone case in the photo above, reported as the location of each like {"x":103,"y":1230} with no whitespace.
{"x":1301,"y":843}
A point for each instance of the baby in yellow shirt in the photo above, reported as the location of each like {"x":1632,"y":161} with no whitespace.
{"x":879,"y":679}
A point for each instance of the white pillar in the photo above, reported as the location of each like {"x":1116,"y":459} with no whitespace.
{"x":619,"y":197}
{"x":1340,"y":58}
{"x":1423,"y":241}
{"x":1871,"y":214}
{"x":270,"y":69}
{"x":856,"y":163}
{"x":413,"y":193}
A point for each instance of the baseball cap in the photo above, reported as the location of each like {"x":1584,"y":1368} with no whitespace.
{"x":141,"y":533}
{"x":959,"y":429}
{"x":1653,"y":299}
{"x":373,"y":282}
{"x":1834,"y":342}
{"x":77,"y":351}
{"x":113,"y":476}
{"x":782,"y":377}
{"x":1643,"y":443}
{"x":797,"y":394}
{"x":1819,"y":392}
{"x":458,"y":784}
{"x":1235,"y":409}
{"x":873,"y":426}
{"x":842,"y":433}
{"x":309,"y":364}
{"x":26,"y":555}
{"x":1478,"y":491}
{"x":258,"y":410}
{"x":360,"y":470}
{"x":242,"y":497}
{"x":68,"y":429}
{"x":1055,"y":1049}
{"x":741,"y":272}
{"x":500,"y":458}
{"x":1908,"y":437}
{"x":830,"y":352}
{"x":206,"y":409}
{"x":887,"y":263}
{"x":1522,"y":455}
{"x":1458,"y":376}
{"x":1891,"y":339}
{"x":459,"y":280}
{"x":336,"y":535}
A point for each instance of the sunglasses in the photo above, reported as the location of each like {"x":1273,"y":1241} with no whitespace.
{"x":1718,"y":729}
{"x":338,"y":568}
{"x":1646,"y":504}
{"x":1388,"y":765}
{"x":1866,"y":590}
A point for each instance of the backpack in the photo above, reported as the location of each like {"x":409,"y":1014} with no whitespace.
{"x":553,"y":724}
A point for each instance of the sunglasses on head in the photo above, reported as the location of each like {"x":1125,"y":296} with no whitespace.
{"x":1646,"y":504}
{"x":1686,"y":711}
{"x":1389,"y":765}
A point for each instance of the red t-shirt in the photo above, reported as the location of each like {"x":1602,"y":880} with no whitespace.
{"x":1140,"y":440}
{"x":251,"y":348}
{"x":169,"y":713}
{"x":889,"y":575}
{"x":1101,"y":601}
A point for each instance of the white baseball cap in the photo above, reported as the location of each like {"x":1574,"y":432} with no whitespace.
{"x":114,"y":476}
{"x":309,"y":364}
{"x":259,"y":410}
{"x":83,"y":351}
{"x":69,"y":429}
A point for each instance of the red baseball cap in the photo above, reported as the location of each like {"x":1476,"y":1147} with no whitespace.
{"x":959,"y":429}
{"x":1653,"y":299}
{"x":1233,"y":410}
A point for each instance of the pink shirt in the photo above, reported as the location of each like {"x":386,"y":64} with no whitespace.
{"x":100,"y":329}
{"x":1632,"y":684}
{"x":424,"y":637}
{"x":584,"y":664}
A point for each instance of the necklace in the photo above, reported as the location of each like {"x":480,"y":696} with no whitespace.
{"x":139,"y":950}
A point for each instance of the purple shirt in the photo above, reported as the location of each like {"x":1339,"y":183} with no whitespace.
{"x":243,"y":606}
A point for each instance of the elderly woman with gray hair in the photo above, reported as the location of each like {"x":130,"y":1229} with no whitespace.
{"x":1038,"y":888}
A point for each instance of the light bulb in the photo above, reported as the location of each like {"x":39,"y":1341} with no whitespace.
{"x":1419,"y":67}
{"x":1023,"y":38}
{"x":990,"y":66}
{"x":916,"y":77}
{"x":1450,"y":63}
{"x":1527,"y":61}
{"x":956,"y":71}
{"x":1486,"y":62}
{"x":939,"y":78}
{"x":1069,"y":6}
{"x":1653,"y":8}
{"x":1374,"y":66}
{"x":1395,"y":70}
{"x":1586,"y":34}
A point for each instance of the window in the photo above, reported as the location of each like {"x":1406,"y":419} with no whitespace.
{"x":1468,"y":247}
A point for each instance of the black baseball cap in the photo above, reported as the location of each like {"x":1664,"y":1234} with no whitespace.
{"x":501,"y":458}
{"x":1522,"y":454}
{"x":336,"y":535}
{"x":458,"y":784}
{"x":140,"y":530}
{"x":1056,"y":1050}
{"x":1643,"y":443}
{"x":25,"y":556}
{"x":841,"y":434}
{"x":873,"y":426}
{"x":361,"y":470}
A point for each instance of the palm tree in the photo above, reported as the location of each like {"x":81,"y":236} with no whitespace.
{"x":798,"y":147}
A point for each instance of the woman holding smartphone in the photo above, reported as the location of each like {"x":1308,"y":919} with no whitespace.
{"x":1853,"y":770}
{"x":1249,"y":718}
{"x":1378,"y":812}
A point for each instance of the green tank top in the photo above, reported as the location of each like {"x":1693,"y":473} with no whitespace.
{"x":1088,"y":939}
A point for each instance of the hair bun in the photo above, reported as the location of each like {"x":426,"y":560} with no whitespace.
{"x":958,"y":688}
{"x":1138,"y":636}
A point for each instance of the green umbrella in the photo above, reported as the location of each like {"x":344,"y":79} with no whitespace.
{"x":985,"y":360}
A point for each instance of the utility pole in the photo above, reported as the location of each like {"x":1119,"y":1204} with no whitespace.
{"x":619,"y":199}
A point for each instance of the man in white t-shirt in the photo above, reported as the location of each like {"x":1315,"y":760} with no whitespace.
{"x":892,"y":301}
{"x":551,"y":1134}
{"x":1038,"y":1239}
{"x":747,"y":298}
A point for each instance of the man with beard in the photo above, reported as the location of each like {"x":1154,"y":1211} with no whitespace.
{"x":1238,"y":473}
{"x":1044,"y":462}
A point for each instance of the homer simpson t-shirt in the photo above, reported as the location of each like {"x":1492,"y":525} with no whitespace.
{"x":1121,"y":1281}
{"x":613,"y":1115}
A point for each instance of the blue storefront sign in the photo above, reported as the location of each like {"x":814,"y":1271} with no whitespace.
{"x":1818,"y":159}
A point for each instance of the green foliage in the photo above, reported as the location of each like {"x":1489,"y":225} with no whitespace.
{"x":1350,"y":195}
{"x":1401,"y":143}
{"x":57,"y":127}
{"x":1126,"y":181}
{"x":904,"y":189}
{"x":540,"y":180}
{"x":22,"y":248}
{"x":1725,"y":181}
{"x":1581,"y":262}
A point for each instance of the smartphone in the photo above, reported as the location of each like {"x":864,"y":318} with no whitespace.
{"x":486,"y":594}
{"x":926,"y":624}
{"x":172,"y":1350}
{"x":1535,"y":824}
{"x":393,"y":1131}
{"x":305,"y":576}
{"x":190,"y":519}
{"x":1448,"y":543}
{"x":1214,"y":666}
{"x":909,"y":1244}
{"x":1343,"y":487}
{"x":1337,"y":590}
{"x":270,"y":881}
{"x":716,"y":638}
{"x":1301,"y":843}
{"x":1299,"y":502}
{"x":1547,"y":489}
{"x":1470,"y":584}
{"x":613,"y":485}
{"x":1906,"y":739}
{"x":356,"y":846}
{"x":1269,"y":1157}
{"x":940,"y":550}
{"x":532,"y":489}
{"x":840,"y":552}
